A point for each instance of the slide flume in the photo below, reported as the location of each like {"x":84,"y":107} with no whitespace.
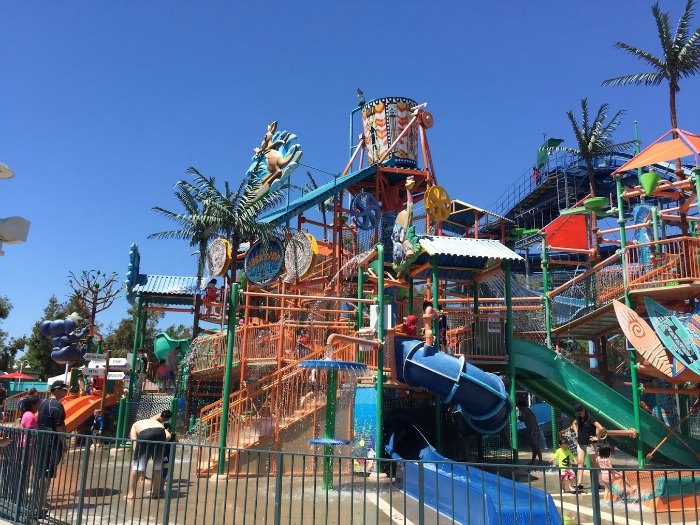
{"x":480,"y":396}
{"x":466,"y":494}
{"x":563,"y":384}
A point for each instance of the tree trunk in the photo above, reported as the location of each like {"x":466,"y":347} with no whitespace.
{"x":594,"y":217}
{"x":198,"y":295}
{"x":673,"y":87}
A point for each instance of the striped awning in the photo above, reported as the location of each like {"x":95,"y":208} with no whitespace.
{"x":461,"y":258}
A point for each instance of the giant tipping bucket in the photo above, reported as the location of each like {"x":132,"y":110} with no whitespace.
{"x":383,"y":120}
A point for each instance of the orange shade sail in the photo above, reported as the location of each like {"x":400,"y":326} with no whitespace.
{"x":567,"y":231}
{"x":664,"y":150}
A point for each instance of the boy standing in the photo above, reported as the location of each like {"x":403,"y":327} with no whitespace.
{"x":98,"y":424}
{"x":565,"y":460}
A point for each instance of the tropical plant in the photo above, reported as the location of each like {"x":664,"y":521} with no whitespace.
{"x":235,"y":215}
{"x":196,"y":226}
{"x":680,"y":58}
{"x":593,"y":138}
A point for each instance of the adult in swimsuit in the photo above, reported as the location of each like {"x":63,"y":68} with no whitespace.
{"x":148,"y":436}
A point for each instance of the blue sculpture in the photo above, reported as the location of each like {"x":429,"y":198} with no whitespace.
{"x":64,"y":338}
{"x":274,"y":161}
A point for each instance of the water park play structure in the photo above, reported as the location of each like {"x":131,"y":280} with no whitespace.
{"x":307,"y":342}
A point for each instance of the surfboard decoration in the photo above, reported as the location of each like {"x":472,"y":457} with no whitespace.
{"x":674,"y":336}
{"x":643,"y":339}
{"x":693,"y":325}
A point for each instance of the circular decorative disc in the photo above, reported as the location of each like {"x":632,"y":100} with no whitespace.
{"x":426,"y":119}
{"x":263,"y":262}
{"x":438,"y":203}
{"x":218,"y":256}
{"x":365,"y":211}
{"x":300,"y":255}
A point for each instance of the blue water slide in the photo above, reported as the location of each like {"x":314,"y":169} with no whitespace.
{"x":466,"y":494}
{"x":480,"y":397}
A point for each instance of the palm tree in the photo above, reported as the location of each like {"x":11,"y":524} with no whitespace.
{"x":594,"y":138}
{"x":196,"y":226}
{"x":680,"y":58}
{"x":236,"y":214}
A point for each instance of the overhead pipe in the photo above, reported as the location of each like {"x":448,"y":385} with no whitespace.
{"x":332,"y":338}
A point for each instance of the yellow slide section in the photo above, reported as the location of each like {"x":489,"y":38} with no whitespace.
{"x":81,"y":408}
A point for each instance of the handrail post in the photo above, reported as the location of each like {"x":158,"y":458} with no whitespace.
{"x":544,"y":257}
{"x":230,"y":336}
{"x":505,"y":265}
{"x":133,"y":374}
{"x":435,"y":276}
{"x":378,"y":446}
{"x":628,"y":302}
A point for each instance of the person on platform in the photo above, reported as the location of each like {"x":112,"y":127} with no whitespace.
{"x":211,"y":297}
{"x":408,"y":327}
{"x":586,"y":429}
{"x":442,"y":323}
{"x":148,"y":436}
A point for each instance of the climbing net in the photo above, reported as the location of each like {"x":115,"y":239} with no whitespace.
{"x":528,"y":318}
{"x":207,"y":351}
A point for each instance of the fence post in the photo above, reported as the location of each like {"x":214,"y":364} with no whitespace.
{"x":278,"y":490}
{"x":595,"y":496}
{"x":421,"y":493}
{"x":169,"y":483}
{"x":24,"y":471}
{"x":230,"y":337}
{"x":83,"y":478}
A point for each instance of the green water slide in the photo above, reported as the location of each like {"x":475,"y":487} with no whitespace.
{"x":563,"y":384}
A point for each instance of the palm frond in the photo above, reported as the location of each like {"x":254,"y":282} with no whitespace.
{"x":663,"y":28}
{"x":683,"y":25}
{"x":645,"y":56}
{"x":638,"y":79}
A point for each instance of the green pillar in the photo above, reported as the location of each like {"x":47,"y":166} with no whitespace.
{"x":137,"y":334}
{"x":360,"y":310}
{"x":379,"y":446}
{"x":331,"y":398}
{"x":410,"y":295}
{"x":173,"y":411}
{"x":123,"y":420}
{"x":230,"y":337}
{"x":435,"y":278}
{"x":555,"y":430}
{"x":144,"y":327}
{"x":655,"y":233}
{"x":505,"y":265}
{"x":121,"y":417}
{"x":435,"y":274}
{"x":547,"y":302}
{"x":630,"y":348}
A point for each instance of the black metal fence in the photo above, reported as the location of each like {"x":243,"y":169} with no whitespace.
{"x":92,"y":480}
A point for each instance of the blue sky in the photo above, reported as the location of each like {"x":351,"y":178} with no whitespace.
{"x":105,"y":104}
